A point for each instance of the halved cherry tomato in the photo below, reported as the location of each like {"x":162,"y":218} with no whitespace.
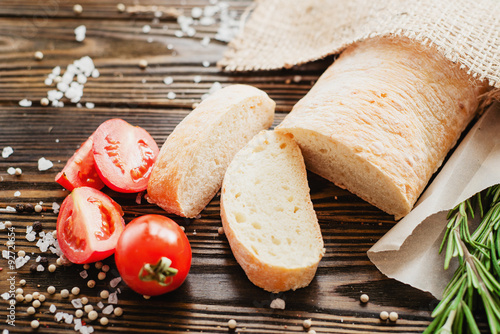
{"x":124,"y":155}
{"x":80,"y":169}
{"x":89,"y":225}
{"x":153,"y":255}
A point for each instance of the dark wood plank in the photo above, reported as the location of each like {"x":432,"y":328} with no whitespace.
{"x":216,"y":289}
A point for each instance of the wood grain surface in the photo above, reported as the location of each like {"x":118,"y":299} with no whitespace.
{"x":216,"y":289}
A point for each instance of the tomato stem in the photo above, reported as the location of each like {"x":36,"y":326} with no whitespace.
{"x":159,"y":272}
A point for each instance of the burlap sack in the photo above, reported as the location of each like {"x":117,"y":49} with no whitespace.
{"x":284,"y":33}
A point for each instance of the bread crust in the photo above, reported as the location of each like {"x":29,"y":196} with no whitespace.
{"x":382,"y":118}
{"x":237,"y":111}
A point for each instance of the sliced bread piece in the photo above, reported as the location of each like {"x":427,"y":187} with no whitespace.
{"x":192,"y":162}
{"x":268,"y":216}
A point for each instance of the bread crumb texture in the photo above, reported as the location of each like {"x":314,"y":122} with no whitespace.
{"x":268,"y":215}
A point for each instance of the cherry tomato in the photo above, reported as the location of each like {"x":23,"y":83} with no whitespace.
{"x":80,"y":169}
{"x":89,"y":225}
{"x":153,"y":255}
{"x":124,"y":155}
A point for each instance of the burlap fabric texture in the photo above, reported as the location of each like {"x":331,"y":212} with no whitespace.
{"x":284,"y":33}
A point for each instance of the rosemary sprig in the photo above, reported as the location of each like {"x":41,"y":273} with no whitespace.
{"x":475,"y":284}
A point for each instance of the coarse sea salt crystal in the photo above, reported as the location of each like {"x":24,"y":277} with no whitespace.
{"x":59,"y":315}
{"x":89,"y":105}
{"x":40,"y":267}
{"x":55,"y":207}
{"x":95,"y":73}
{"x":68,"y":319}
{"x":17,"y":194}
{"x":5,"y":254}
{"x":25,"y":103}
{"x":278,"y":303}
{"x":11,"y":171}
{"x":84,"y":274}
{"x":7,"y":151}
{"x":113,"y":298}
{"x":53,"y":95}
{"x":80,"y":32}
{"x":38,"y":258}
{"x":115,"y":281}
{"x":171,"y":95}
{"x":146,"y":29}
{"x":31,"y":236}
{"x":5,"y":296}
{"x":100,"y":304}
{"x":44,"y":164}
{"x":21,"y":261}
{"x":205,"y":41}
{"x":168,"y":80}
{"x":78,"y":323}
{"x":196,"y":12}
{"x":77,"y":303}
{"x":108,"y":310}
{"x":197,"y":79}
{"x":2,"y":226}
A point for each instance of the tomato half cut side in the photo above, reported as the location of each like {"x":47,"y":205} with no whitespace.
{"x":153,"y":255}
{"x":89,"y":225}
{"x":124,"y":155}
{"x":80,"y":170}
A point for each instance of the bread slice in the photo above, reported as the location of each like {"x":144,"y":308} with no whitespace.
{"x":268,"y":216}
{"x":192,"y":161}
{"x":382,"y":118}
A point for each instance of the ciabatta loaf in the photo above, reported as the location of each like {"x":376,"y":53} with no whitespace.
{"x":192,"y":161}
{"x":382,"y":118}
{"x":268,"y":216}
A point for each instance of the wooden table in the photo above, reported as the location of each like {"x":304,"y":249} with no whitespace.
{"x":216,"y":289}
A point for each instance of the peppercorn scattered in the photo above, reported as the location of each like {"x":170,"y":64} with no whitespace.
{"x":36,"y":304}
{"x":143,"y":63}
{"x":104,"y":321}
{"x":104,"y":294}
{"x":38,"y":208}
{"x":44,"y":101}
{"x":20,"y":207}
{"x":364,"y":298}
{"x":91,"y":283}
{"x":64,"y":293}
{"x":78,"y":313}
{"x":393,"y":316}
{"x":384,"y":315}
{"x":77,"y":9}
{"x":232,"y":324}
{"x":35,"y":324}
{"x":92,"y":315}
{"x":75,"y":291}
{"x":29,"y":208}
{"x":307,"y":323}
{"x":28,"y":298}
{"x":31,"y":310}
{"x":52,"y":268}
{"x":121,"y":7}
{"x":101,"y":276}
{"x":38,"y":55}
{"x":51,"y":289}
{"x":37,"y":226}
{"x":118,"y":311}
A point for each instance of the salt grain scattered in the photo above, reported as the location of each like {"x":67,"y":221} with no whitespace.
{"x":77,"y":303}
{"x":278,"y":303}
{"x":44,"y":164}
{"x":168,"y":80}
{"x":55,"y":207}
{"x":7,"y":151}
{"x":80,"y":32}
{"x":115,"y":281}
{"x":205,"y":63}
{"x":146,"y":29}
{"x":52,"y":309}
{"x":100,"y":304}
{"x":11,"y":171}
{"x":17,"y":193}
{"x":84,"y":274}
{"x":113,"y":298}
{"x":25,"y":103}
{"x":89,"y":105}
{"x":171,"y":95}
{"x":197,"y":79}
{"x":108,"y":310}
{"x":40,"y":268}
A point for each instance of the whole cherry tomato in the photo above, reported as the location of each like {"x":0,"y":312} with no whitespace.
{"x":153,"y":255}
